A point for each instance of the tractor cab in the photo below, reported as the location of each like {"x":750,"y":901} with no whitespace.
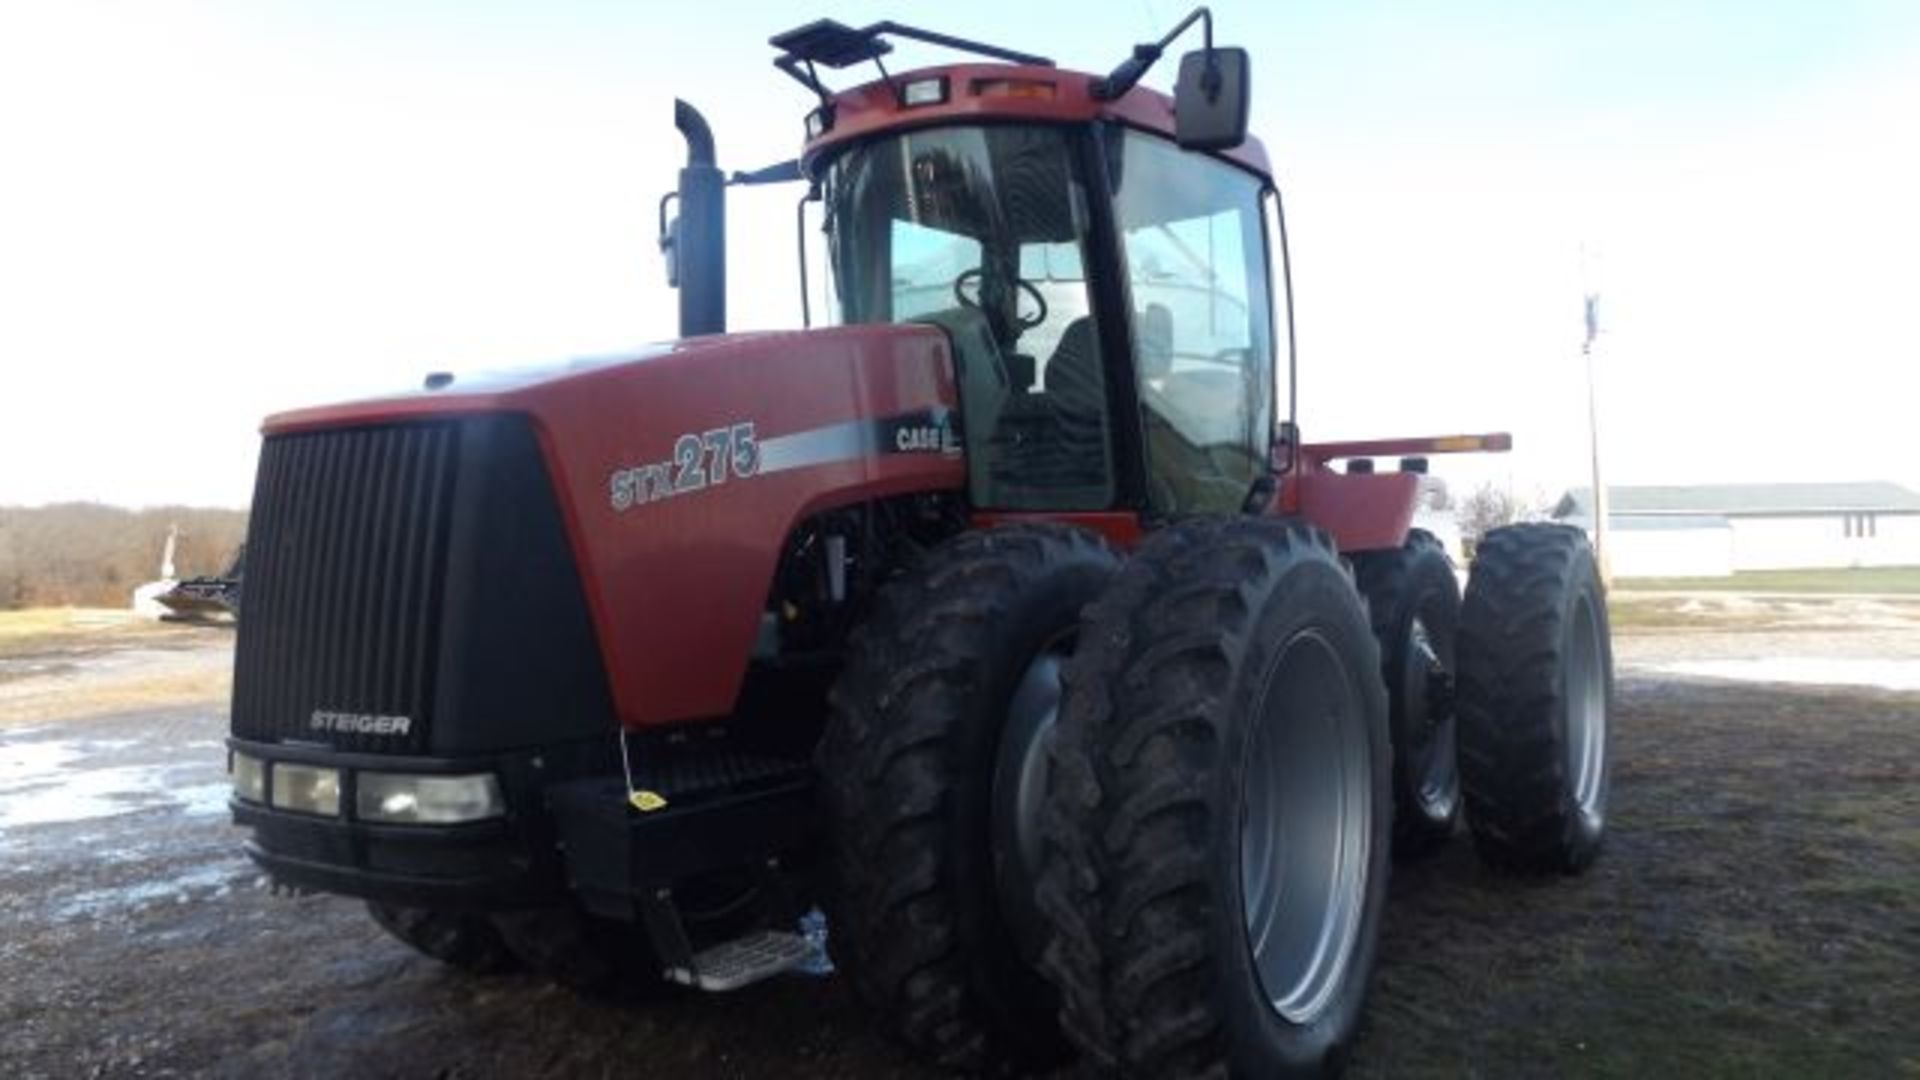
{"x":1079,"y":271}
{"x":1101,"y":257}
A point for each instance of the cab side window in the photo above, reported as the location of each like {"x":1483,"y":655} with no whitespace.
{"x":1195,"y":245}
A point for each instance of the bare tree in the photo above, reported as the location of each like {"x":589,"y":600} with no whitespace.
{"x":87,"y":553}
{"x":12,"y":579}
{"x":1490,"y":506}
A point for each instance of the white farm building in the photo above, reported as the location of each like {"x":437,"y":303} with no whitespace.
{"x":1715,"y":529}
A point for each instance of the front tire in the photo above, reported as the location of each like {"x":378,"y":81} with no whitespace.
{"x":1536,"y":690}
{"x":458,"y":939}
{"x":591,"y":955}
{"x":1224,"y":732}
{"x":931,"y":770}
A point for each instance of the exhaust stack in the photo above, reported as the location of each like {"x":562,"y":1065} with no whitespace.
{"x":696,"y":243}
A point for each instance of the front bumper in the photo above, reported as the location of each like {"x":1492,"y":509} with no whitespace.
{"x":505,"y":862}
{"x":569,"y":834}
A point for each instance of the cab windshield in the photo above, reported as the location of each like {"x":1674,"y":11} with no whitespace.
{"x":981,"y":231}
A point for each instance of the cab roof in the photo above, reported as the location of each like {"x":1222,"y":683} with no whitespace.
{"x":1020,"y":87}
{"x":975,"y":93}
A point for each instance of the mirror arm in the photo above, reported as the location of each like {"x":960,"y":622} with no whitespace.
{"x":1135,"y":67}
{"x":1211,"y":81}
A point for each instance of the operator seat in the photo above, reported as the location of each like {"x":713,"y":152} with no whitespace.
{"x":1077,"y":389}
{"x":1073,"y":371}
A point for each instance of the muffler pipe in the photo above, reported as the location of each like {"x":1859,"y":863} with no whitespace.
{"x":700,"y":236}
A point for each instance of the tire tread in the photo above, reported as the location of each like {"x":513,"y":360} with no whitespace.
{"x":1126,"y":884}
{"x":891,"y":772}
{"x":1511,"y":653}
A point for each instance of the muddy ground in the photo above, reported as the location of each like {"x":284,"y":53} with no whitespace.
{"x":1757,"y":911}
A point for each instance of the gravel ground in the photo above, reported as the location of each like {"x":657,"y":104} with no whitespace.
{"x":1757,"y":911}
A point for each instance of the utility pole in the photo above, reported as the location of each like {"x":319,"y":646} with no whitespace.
{"x":1593,"y":436}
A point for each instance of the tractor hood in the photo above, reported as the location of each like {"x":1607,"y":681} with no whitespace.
{"x":510,"y":388}
{"x":676,"y":472}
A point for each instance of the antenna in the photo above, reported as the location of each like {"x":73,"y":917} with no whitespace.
{"x":1590,"y":313}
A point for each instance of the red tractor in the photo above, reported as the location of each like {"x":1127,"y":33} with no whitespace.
{"x":1006,"y":619}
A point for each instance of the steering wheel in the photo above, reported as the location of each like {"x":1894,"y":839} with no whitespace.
{"x":1023,"y":322}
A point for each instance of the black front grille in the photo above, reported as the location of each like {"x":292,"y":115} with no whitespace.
{"x":346,"y":567}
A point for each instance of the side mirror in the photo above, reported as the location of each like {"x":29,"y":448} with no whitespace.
{"x":1210,"y":99}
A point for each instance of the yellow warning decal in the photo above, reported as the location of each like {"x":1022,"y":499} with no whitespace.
{"x":647,"y":801}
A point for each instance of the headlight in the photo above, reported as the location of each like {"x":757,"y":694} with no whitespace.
{"x":428,"y":800}
{"x":249,"y":777}
{"x":306,"y":789}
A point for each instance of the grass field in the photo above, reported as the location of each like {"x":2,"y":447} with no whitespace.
{"x":83,"y":662}
{"x":35,"y":629}
{"x":1877,"y":579}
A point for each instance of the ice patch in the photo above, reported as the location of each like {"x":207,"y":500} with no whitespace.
{"x":46,"y":783}
{"x":1806,"y":671}
{"x":105,"y":746}
{"x":216,"y":879}
{"x":77,"y":795}
{"x":23,"y":764}
{"x":202,"y":800}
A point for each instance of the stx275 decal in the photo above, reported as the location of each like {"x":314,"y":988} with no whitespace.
{"x":698,"y":461}
{"x":707,"y":459}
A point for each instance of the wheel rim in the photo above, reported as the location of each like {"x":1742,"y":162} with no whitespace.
{"x":1586,"y":740}
{"x":1306,"y":829}
{"x":1429,"y":724}
{"x":1019,"y":785}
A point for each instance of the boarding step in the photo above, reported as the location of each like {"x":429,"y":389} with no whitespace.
{"x":744,"y":961}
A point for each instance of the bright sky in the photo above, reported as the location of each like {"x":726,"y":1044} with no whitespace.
{"x":211,"y":210}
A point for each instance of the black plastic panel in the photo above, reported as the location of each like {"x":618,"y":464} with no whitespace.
{"x":347,"y":544}
{"x":420,"y":571}
{"x":519,"y":660}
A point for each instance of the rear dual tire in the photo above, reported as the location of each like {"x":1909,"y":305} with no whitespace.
{"x":1224,"y":730}
{"x":1536,"y":690}
{"x":1413,"y":601}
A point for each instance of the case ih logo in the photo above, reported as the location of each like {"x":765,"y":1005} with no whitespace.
{"x":935,"y":438}
{"x":351,"y":723}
